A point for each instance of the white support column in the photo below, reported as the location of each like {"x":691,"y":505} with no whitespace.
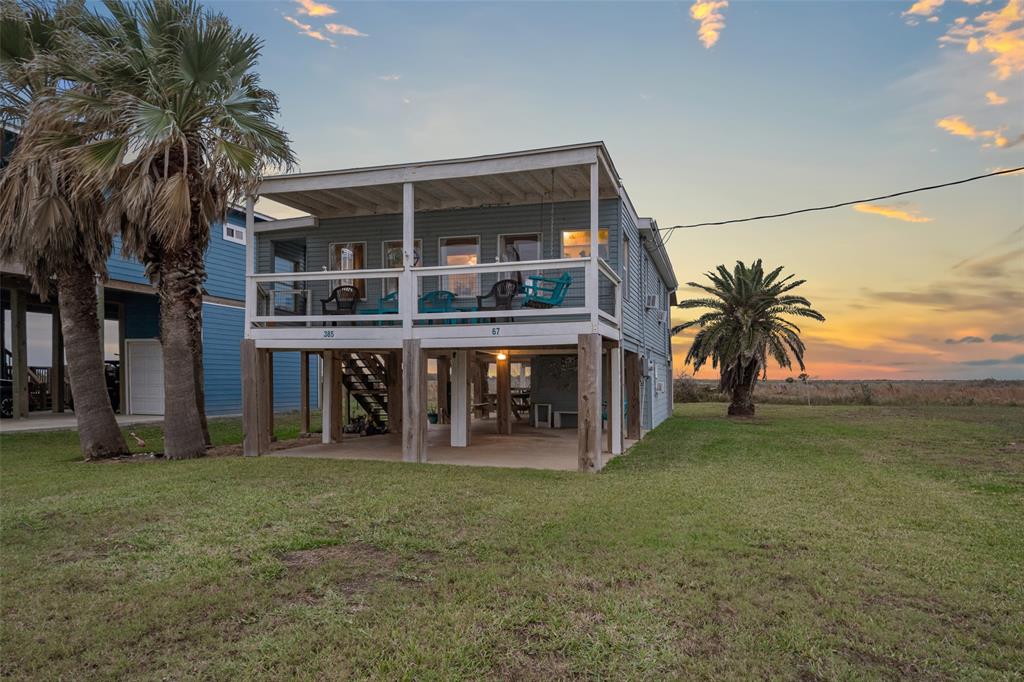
{"x":592,"y":277}
{"x":250,"y":264}
{"x":326,"y":397}
{"x":407,"y":294}
{"x":615,"y":406}
{"x":460,"y":417}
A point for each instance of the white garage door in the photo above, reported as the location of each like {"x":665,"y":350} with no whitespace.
{"x":145,"y":377}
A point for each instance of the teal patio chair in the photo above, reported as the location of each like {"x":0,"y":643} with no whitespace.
{"x":437,"y":302}
{"x":386,"y":304}
{"x":546,"y":292}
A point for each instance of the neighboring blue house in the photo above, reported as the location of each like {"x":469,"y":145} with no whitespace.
{"x":132,"y":328}
{"x":223,"y":328}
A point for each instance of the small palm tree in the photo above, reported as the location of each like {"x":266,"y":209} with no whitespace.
{"x":745,"y":327}
{"x":48,"y":224}
{"x":183,"y":127}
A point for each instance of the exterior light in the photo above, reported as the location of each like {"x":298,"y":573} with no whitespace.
{"x":502,"y":356}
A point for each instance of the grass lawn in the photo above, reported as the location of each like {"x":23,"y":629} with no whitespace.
{"x":824,"y":542}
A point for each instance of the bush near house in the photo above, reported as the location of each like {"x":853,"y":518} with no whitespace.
{"x":793,"y":391}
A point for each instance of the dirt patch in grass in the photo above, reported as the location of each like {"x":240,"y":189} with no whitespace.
{"x":353,"y":571}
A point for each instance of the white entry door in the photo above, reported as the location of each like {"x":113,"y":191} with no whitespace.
{"x":145,"y":376}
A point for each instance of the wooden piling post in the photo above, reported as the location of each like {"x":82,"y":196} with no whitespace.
{"x":589,"y":402}
{"x":504,"y":395}
{"x":304,"y":392}
{"x":414,"y":405}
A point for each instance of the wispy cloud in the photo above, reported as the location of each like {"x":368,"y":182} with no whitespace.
{"x":712,"y":21}
{"x":965,"y":339}
{"x":389,"y":77}
{"x":991,"y":267}
{"x":343,"y":30}
{"x":998,"y":33}
{"x":956,"y":125}
{"x":1007,"y":338}
{"x":992,"y":362}
{"x":995,"y":99}
{"x":923,"y":8}
{"x":312,"y":8}
{"x":906,"y":215}
{"x":307,"y":30}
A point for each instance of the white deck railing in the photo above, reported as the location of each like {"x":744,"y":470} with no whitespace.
{"x":305,"y":288}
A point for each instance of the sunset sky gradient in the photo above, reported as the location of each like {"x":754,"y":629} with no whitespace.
{"x":717,"y":110}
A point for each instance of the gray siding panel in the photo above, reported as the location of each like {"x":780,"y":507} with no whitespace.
{"x":487,"y":223}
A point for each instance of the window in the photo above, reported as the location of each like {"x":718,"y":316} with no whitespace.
{"x":461,"y":251}
{"x":234,"y":233}
{"x":576,"y":243}
{"x":285,"y":294}
{"x":625,"y":267}
{"x":514,"y":248}
{"x":349,"y":256}
{"x":393,"y":259}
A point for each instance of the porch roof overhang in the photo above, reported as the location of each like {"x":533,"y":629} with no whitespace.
{"x":527,"y":177}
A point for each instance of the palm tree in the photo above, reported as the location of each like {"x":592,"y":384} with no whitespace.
{"x":745,"y":327}
{"x":184,"y":127}
{"x":47,"y":225}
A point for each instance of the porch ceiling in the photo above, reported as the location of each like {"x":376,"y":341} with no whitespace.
{"x":551,"y":175}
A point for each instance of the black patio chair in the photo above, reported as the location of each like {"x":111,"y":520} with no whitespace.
{"x":345,"y":299}
{"x":503,"y":292}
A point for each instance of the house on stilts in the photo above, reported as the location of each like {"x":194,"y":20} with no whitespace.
{"x":517,"y":300}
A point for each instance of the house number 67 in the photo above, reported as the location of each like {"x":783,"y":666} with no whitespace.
{"x":495,"y":331}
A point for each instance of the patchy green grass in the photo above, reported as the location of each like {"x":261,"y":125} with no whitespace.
{"x":825,"y":542}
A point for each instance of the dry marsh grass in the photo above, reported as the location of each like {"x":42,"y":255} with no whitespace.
{"x":873,"y":392}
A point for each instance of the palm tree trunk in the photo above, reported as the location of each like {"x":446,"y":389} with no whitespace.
{"x":98,"y":434}
{"x":198,"y":373}
{"x":742,"y":404}
{"x":179,"y":292}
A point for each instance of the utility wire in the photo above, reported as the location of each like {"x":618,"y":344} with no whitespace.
{"x":671,"y":230}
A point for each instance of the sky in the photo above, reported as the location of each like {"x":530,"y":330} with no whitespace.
{"x":718,"y":110}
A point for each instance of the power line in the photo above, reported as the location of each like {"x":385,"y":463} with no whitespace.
{"x":671,"y":230}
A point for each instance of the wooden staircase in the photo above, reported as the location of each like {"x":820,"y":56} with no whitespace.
{"x":364,"y":376}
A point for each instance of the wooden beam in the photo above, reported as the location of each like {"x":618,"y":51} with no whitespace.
{"x":443,"y":364}
{"x":535,"y":184}
{"x":19,"y":352}
{"x":632,"y":370}
{"x":479,"y":371}
{"x":304,"y":420}
{"x":57,"y":364}
{"x":337,"y":402}
{"x":462,"y":391}
{"x":606,"y":397}
{"x":414,"y":406}
{"x":589,"y":403}
{"x":327,"y":397}
{"x":265,"y":362}
{"x":615,"y":401}
{"x":504,"y":396}
{"x":508,"y":186}
{"x":377,"y":202}
{"x":393,"y":370}
{"x":251,"y":444}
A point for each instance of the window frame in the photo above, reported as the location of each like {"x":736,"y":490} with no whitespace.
{"x":358,"y":282}
{"x":607,"y":242}
{"x":479,"y":255}
{"x":501,"y":251}
{"x":235,"y":240}
{"x":417,"y":245}
{"x":627,"y":253}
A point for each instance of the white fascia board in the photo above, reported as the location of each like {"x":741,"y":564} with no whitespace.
{"x":287,"y":224}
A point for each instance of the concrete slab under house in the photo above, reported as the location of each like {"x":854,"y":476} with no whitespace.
{"x":525,"y":284}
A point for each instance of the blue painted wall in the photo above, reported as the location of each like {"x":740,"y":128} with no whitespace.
{"x":225,"y":263}
{"x":222,"y":336}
